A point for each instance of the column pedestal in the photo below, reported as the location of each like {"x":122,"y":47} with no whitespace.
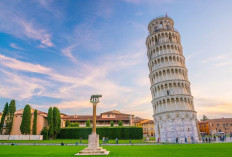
{"x":93,"y":147}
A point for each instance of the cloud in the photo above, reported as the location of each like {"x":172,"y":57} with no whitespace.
{"x":19,"y":87}
{"x":74,"y":90}
{"x":19,"y":65}
{"x":149,"y":1}
{"x":13,"y":45}
{"x":68,"y":52}
{"x":212,"y":108}
{"x":16,"y":23}
{"x":38,"y":34}
{"x":48,"y":5}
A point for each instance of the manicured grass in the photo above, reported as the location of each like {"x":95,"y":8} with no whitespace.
{"x":181,"y":150}
{"x":72,"y":141}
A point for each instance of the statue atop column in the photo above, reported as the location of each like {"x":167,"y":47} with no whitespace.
{"x":93,"y":142}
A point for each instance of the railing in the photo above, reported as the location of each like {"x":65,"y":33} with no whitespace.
{"x":162,"y":29}
{"x":161,"y":17}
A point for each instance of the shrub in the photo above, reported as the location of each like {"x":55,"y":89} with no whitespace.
{"x":111,"y":123}
{"x":44,"y":132}
{"x":110,"y":132}
{"x":74,"y":125}
{"x":88,"y":123}
{"x":120,"y":123}
{"x":67,"y":123}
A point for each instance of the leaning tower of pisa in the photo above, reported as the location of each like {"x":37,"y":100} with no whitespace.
{"x":174,"y":113}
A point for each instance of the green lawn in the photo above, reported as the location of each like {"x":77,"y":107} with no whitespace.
{"x":72,"y":141}
{"x":181,"y":150}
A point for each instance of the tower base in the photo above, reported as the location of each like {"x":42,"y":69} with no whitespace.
{"x":93,"y":147}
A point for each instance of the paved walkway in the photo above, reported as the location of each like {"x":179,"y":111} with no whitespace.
{"x":124,"y":144}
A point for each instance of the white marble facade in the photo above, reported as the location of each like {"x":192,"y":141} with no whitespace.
{"x":174,"y":113}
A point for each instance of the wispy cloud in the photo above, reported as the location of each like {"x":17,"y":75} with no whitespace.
{"x":15,"y":46}
{"x":149,"y":1}
{"x":17,"y":24}
{"x":19,"y":65}
{"x":68,"y":52}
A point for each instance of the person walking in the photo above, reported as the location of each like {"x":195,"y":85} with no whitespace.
{"x":176,"y":140}
{"x":192,"y":139}
{"x":185,"y":139}
{"x":116,"y":140}
{"x":107,"y":139}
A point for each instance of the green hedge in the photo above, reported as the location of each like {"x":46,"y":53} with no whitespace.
{"x":110,"y":132}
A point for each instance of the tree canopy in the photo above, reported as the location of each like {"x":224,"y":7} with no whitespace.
{"x":10,"y":116}
{"x":204,"y":118}
{"x":88,"y":123}
{"x":50,"y":122}
{"x":34,"y":129}
{"x":4,"y":113}
{"x":26,"y":120}
{"x":54,"y":122}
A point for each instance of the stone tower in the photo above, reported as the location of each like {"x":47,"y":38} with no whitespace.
{"x":174,"y":113}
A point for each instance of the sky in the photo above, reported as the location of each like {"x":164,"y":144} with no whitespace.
{"x":60,"y":52}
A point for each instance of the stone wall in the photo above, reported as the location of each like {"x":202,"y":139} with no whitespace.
{"x":21,"y":137}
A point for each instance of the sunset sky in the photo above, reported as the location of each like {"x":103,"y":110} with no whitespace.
{"x":59,"y":52}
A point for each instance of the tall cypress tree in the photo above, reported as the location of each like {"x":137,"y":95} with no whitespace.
{"x":34,"y":130}
{"x":10,"y":117}
{"x":25,"y":126}
{"x":56,"y":121}
{"x":88,"y":123}
{"x":50,"y":122}
{"x":4,"y":113}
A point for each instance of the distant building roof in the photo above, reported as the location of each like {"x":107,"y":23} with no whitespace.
{"x":138,"y":119}
{"x":115,"y":112}
{"x":216,"y":120}
{"x":220,"y":120}
{"x":99,"y":117}
{"x":148,"y":122}
{"x":20,"y":112}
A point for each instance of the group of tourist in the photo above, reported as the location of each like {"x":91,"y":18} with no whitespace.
{"x":186,"y":140}
{"x":215,"y":138}
{"x":105,"y":140}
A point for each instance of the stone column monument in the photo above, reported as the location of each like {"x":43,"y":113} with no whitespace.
{"x":93,"y":142}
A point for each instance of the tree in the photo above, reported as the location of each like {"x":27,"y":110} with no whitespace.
{"x":56,"y":121}
{"x":204,"y":118}
{"x":50,"y":122}
{"x":25,"y":126}
{"x":67,"y":123}
{"x":111,"y":123}
{"x":120,"y":123}
{"x":10,"y":116}
{"x":88,"y":123}
{"x":4,"y":113}
{"x":34,"y":129}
